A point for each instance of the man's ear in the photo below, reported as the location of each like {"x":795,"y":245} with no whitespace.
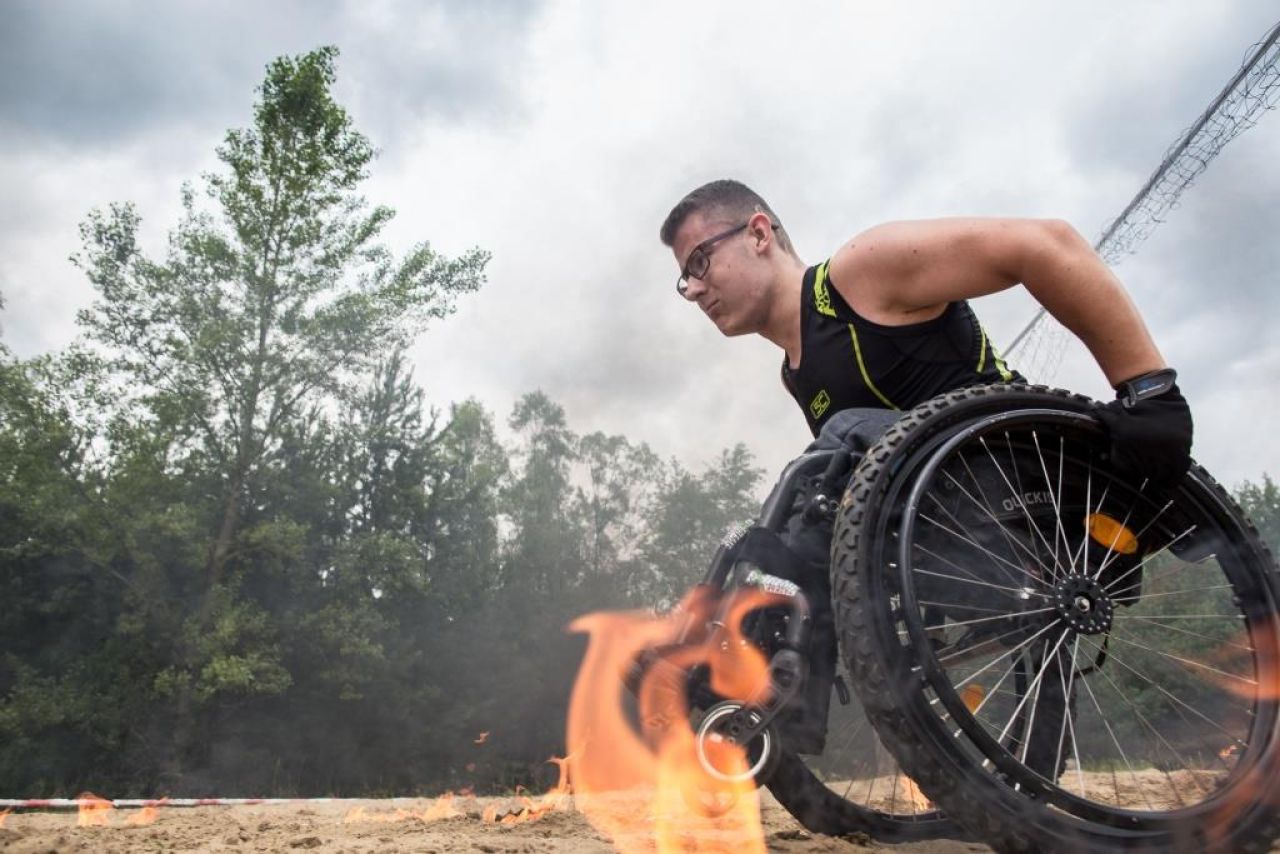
{"x":760,"y":227}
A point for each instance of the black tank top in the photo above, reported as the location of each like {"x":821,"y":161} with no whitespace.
{"x":847,"y":361}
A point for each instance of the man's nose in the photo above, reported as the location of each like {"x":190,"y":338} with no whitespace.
{"x":693,"y":288}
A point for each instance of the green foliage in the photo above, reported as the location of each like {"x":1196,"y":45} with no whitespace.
{"x":1261,"y":503}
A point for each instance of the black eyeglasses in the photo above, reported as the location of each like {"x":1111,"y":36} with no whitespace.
{"x":695,"y":267}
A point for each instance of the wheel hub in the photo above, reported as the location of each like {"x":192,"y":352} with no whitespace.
{"x":1084,"y":604}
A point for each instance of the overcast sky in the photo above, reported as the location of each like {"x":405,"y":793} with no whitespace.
{"x":558,"y":134}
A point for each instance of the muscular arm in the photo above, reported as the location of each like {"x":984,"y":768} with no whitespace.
{"x":902,"y":272}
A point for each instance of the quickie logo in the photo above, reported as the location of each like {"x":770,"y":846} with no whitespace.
{"x":1028,"y":498}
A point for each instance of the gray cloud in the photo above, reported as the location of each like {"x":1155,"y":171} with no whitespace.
{"x":100,"y":73}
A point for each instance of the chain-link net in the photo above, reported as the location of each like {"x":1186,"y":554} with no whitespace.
{"x":1040,"y":346}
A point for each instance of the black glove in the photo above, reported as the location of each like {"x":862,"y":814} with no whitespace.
{"x":1150,"y":426}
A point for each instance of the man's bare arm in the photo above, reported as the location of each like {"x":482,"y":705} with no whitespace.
{"x":902,"y":272}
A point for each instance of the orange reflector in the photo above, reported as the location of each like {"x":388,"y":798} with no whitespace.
{"x":1110,"y":534}
{"x":972,"y":695}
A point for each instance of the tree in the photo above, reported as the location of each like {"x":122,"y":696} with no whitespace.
{"x":282,"y":302}
{"x":1261,"y":503}
{"x":272,"y":304}
{"x":689,"y":515}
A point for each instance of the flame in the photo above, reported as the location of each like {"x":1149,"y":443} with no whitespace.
{"x":94,"y":811}
{"x":642,"y":788}
{"x":146,"y":815}
{"x":557,"y":799}
{"x":4,"y":814}
{"x":142,"y":817}
{"x":482,"y":738}
{"x":441,"y":807}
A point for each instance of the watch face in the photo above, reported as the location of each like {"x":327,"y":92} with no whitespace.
{"x":1153,"y":384}
{"x":1148,"y":384}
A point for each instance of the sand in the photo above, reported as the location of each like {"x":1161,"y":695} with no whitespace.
{"x":321,"y":828}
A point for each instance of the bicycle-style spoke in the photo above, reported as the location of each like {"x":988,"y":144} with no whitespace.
{"x":1012,"y":616}
{"x":1176,"y":701}
{"x":961,"y":607}
{"x":972,"y":579}
{"x":1158,"y":621}
{"x":1138,"y":536}
{"x":1032,"y":687}
{"x":1035,"y":704}
{"x":966,"y":649}
{"x":1160,"y":737}
{"x":1055,"y":498}
{"x":1012,"y":651}
{"x":1120,"y":594}
{"x":979,"y":546}
{"x":1010,"y":538}
{"x":1082,"y":553}
{"x":1110,"y":732}
{"x":1068,"y":719}
{"x":1109,"y":586}
{"x":1188,"y":662}
{"x":1018,"y":493}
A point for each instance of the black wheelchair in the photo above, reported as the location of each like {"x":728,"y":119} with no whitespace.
{"x":1042,"y":656}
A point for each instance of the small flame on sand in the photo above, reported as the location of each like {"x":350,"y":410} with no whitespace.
{"x":482,"y":738}
{"x":4,"y":814}
{"x":94,"y":811}
{"x":441,"y":807}
{"x":145,"y":816}
{"x":530,"y":810}
{"x":642,"y":788}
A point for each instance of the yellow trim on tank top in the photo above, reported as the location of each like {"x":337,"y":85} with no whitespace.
{"x":1005,"y":373}
{"x":821,"y":296}
{"x":866,"y":377}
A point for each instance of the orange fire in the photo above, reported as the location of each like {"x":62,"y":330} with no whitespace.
{"x":144,"y":816}
{"x":482,"y":738}
{"x":4,"y":814}
{"x":441,"y":807}
{"x":94,"y":811}
{"x":649,"y":787}
{"x":530,"y":810}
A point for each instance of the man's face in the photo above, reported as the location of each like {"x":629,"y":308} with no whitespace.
{"x":727,"y":291}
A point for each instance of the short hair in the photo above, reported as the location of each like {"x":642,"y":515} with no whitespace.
{"x":727,"y":199}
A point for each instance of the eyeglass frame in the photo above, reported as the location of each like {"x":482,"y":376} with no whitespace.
{"x":682,"y":283}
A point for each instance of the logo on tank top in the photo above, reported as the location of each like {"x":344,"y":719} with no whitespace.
{"x":820,"y":404}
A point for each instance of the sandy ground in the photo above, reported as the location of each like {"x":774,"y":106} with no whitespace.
{"x":321,"y":828}
{"x":356,"y":827}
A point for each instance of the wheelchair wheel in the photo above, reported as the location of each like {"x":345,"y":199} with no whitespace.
{"x":1060,"y":659}
{"x":856,"y":786}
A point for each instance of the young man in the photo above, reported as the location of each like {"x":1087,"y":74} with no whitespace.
{"x":884,"y":323}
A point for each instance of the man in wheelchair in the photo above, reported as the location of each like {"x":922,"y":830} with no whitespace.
{"x":884,"y":325}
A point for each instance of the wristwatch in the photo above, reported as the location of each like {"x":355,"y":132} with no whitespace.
{"x":1146,"y":385}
